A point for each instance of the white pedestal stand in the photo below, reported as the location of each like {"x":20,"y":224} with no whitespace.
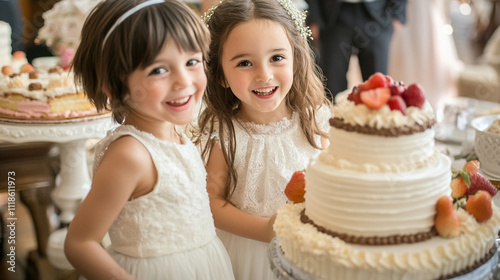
{"x":73,"y":181}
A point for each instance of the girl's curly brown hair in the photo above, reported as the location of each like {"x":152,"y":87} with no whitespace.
{"x":305,"y":97}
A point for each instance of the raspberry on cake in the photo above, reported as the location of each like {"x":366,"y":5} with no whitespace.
{"x":377,"y":201}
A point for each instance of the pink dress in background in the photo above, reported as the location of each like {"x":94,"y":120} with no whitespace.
{"x":422,"y":52}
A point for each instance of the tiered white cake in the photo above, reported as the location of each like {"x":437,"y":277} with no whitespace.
{"x":370,"y":203}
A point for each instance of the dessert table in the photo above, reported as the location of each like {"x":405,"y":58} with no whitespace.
{"x":73,"y":180}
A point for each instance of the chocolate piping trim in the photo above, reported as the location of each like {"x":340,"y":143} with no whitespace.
{"x":387,"y":132}
{"x":372,"y":240}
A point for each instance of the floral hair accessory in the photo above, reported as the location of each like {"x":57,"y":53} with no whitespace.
{"x":298,"y":17}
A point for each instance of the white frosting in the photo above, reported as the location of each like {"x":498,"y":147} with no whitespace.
{"x":383,"y":117}
{"x":371,"y":153}
{"x":332,"y":258}
{"x":53,"y":84}
{"x":378,"y":204}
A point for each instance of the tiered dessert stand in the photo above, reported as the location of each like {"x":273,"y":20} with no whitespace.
{"x":73,"y":180}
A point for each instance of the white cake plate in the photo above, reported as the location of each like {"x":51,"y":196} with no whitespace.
{"x":73,"y":180}
{"x":283,"y":269}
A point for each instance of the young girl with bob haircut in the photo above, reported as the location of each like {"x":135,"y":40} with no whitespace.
{"x":145,"y":60}
{"x":265,"y":115}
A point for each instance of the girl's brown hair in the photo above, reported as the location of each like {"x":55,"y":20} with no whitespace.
{"x":132,"y":44}
{"x":305,"y":96}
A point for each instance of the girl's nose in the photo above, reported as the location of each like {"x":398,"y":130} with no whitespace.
{"x":182,"y":79}
{"x":264,"y":74}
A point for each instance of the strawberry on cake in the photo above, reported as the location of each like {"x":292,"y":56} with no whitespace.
{"x":377,"y":201}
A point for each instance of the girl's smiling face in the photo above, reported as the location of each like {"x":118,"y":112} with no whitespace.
{"x":168,"y":89}
{"x":257,"y":61}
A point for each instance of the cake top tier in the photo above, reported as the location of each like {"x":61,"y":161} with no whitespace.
{"x":384,"y":107}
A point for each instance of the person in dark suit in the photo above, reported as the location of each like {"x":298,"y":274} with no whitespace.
{"x":364,"y":27}
{"x":10,"y":13}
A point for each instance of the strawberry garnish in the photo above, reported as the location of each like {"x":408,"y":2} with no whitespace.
{"x":389,"y":80}
{"x":377,"y":80}
{"x":397,"y":89}
{"x":479,"y":206}
{"x":458,"y":187}
{"x":479,"y":183}
{"x":295,"y":189}
{"x":375,"y":98}
{"x":396,"y":102}
{"x":472,"y":166}
{"x":446,"y":221}
{"x":414,"y":96}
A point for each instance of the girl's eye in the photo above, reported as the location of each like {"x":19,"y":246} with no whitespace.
{"x":192,"y":62}
{"x":244,"y":63}
{"x":158,"y":71}
{"x":277,"y":58}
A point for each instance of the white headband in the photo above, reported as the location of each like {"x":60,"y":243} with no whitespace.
{"x":129,"y":13}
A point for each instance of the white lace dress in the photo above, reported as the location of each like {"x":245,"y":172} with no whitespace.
{"x":168,"y":233}
{"x":266,"y":157}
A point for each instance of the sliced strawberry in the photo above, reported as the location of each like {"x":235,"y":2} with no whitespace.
{"x":376,"y":80}
{"x":414,"y":96}
{"x":480,"y":183}
{"x":375,"y":98}
{"x":396,"y":102}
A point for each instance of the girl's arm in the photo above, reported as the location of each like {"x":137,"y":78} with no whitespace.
{"x":125,"y":171}
{"x":226,"y":216}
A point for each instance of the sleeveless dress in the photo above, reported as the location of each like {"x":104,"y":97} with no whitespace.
{"x":168,"y":233}
{"x":266,"y":157}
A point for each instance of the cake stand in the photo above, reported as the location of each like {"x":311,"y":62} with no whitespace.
{"x":283,"y":269}
{"x":73,"y":180}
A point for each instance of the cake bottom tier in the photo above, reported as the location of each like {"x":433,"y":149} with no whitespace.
{"x":324,"y":257}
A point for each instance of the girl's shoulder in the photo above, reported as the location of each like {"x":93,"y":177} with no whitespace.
{"x":121,"y":146}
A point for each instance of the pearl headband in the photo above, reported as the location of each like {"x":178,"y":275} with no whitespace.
{"x":128,"y":14}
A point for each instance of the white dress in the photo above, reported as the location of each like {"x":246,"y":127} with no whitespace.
{"x":266,"y":157}
{"x":422,"y":52}
{"x":168,"y":233}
